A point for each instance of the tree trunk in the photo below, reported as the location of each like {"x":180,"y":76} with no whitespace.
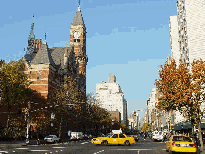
{"x":200,"y":136}
{"x":59,"y":134}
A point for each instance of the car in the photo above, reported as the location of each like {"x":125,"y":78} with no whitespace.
{"x":76,"y":136}
{"x":157,"y":136}
{"x":203,"y":138}
{"x":52,"y":139}
{"x":115,"y":138}
{"x":134,"y":135}
{"x":180,"y":143}
{"x":150,"y":135}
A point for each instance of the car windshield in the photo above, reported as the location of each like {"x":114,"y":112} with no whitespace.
{"x":160,"y":133}
{"x":181,"y":138}
{"x":49,"y":136}
{"x":109,"y":135}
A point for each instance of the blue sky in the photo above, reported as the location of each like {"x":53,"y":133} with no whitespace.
{"x":128,"y":38}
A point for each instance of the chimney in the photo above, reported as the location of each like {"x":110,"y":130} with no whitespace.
{"x":112,"y":78}
{"x":37,"y":46}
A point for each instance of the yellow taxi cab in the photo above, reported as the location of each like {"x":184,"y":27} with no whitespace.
{"x":115,"y":138}
{"x":180,"y":143}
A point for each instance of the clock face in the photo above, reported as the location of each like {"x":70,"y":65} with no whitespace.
{"x":76,"y":34}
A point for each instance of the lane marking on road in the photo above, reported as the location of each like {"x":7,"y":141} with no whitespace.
{"x":21,"y":148}
{"x":34,"y":145}
{"x":38,"y":150}
{"x":132,"y":149}
{"x":98,"y":152}
{"x":58,"y":147}
{"x":84,"y":142}
{"x":4,"y":151}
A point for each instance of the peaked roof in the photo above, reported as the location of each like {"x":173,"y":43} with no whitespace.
{"x":78,"y":19}
{"x":43,"y":56}
{"x":28,"y":57}
{"x":57,"y":54}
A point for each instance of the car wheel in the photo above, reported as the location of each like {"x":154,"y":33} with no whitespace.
{"x":127,"y":143}
{"x":104,"y":143}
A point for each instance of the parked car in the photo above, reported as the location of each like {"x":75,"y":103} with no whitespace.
{"x":180,"y":143}
{"x":157,"y":136}
{"x":203,"y":138}
{"x":115,"y":138}
{"x":136,"y":137}
{"x":76,"y":136}
{"x":150,"y":134}
{"x":87,"y":136}
{"x":52,"y":139}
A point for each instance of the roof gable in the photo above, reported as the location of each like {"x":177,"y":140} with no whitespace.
{"x":43,"y":56}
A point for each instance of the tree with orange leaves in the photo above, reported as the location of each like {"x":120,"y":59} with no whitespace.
{"x":182,"y":90}
{"x":166,"y":86}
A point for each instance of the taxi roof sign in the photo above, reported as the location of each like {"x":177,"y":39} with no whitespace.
{"x":117,"y":131}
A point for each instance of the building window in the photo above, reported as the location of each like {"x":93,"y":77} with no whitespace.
{"x":76,"y":40}
{"x":39,"y":75}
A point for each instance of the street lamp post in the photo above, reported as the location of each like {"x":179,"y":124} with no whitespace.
{"x":28,"y":118}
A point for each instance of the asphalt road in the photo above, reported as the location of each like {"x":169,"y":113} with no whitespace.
{"x":85,"y":147}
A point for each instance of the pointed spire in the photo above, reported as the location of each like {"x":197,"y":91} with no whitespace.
{"x":45,"y":36}
{"x":44,"y":42}
{"x":78,"y":19}
{"x":31,"y":35}
{"x":79,"y":6}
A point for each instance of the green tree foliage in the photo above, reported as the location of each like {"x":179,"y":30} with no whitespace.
{"x":146,"y":127}
{"x":14,"y":85}
{"x":98,"y":119}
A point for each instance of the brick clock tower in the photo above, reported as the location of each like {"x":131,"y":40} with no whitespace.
{"x":78,"y":43}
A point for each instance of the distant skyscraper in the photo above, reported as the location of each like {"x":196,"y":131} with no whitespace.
{"x":174,"y":39}
{"x":110,"y":96}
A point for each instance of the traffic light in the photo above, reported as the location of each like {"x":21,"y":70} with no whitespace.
{"x":134,"y":113}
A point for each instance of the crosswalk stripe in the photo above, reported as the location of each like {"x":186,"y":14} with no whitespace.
{"x":84,"y":142}
{"x":39,"y":150}
{"x":4,"y":151}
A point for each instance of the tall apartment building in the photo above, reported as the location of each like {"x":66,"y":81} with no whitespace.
{"x":151,"y":104}
{"x":187,"y":37}
{"x":190,"y":15}
{"x":174,"y":38}
{"x":134,"y":121}
{"x":110,"y":96}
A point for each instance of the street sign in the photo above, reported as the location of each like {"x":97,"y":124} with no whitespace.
{"x":52,"y":115}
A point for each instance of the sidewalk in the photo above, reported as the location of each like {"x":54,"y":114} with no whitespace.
{"x":16,"y":143}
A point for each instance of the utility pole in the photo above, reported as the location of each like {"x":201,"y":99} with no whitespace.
{"x":28,"y":118}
